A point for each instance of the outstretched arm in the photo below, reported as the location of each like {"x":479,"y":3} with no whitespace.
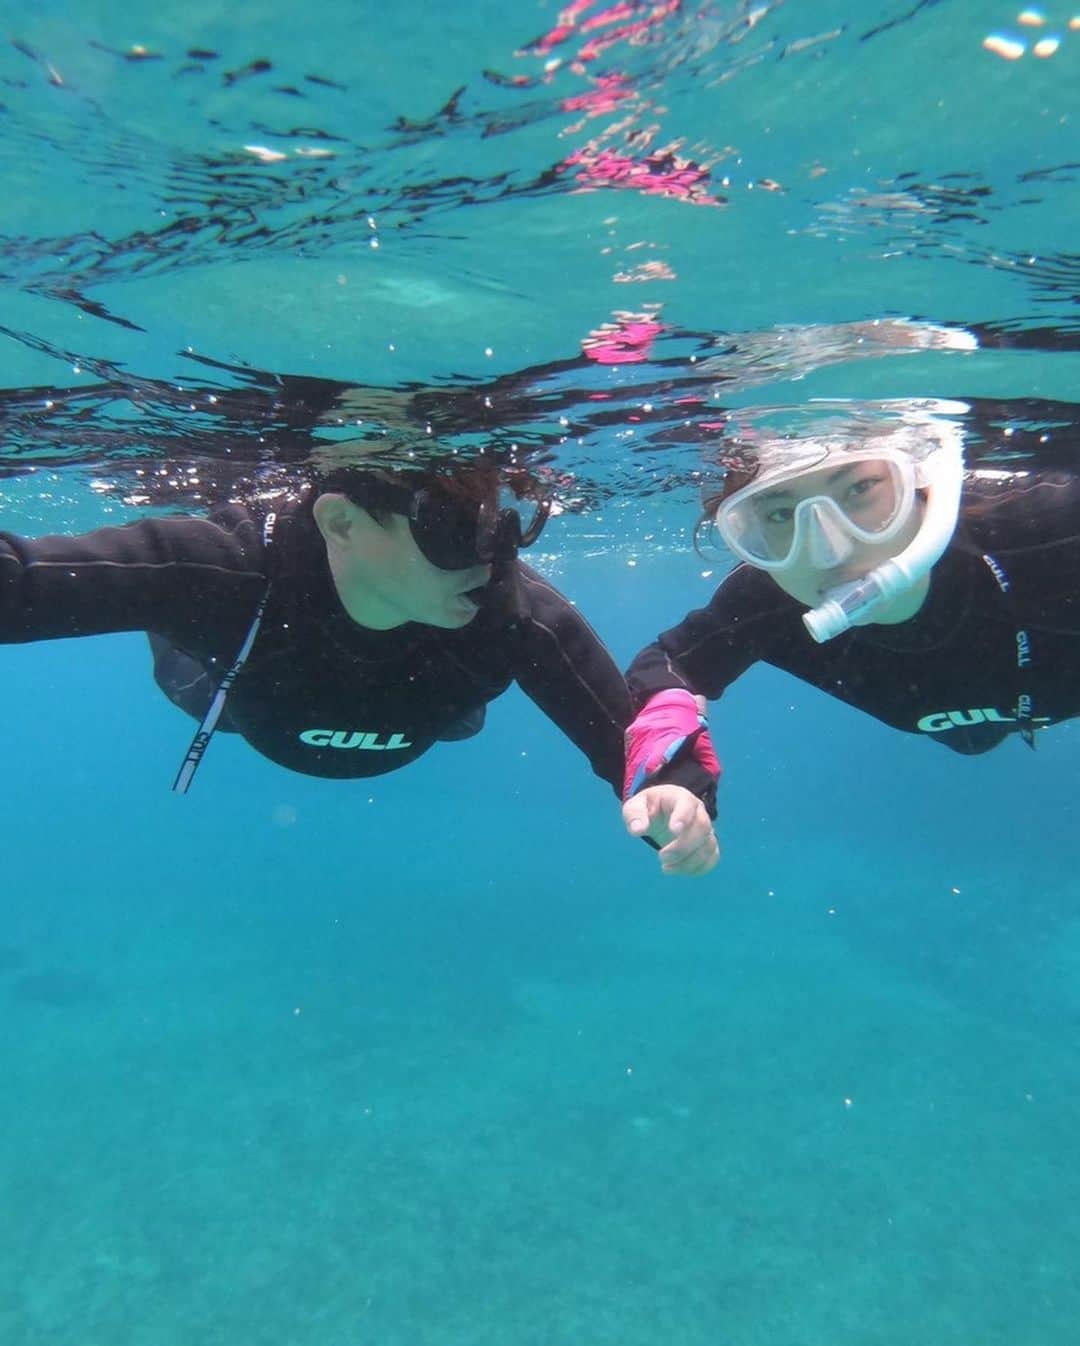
{"x":672,"y":770}
{"x":177,"y":576}
{"x":667,"y":750}
{"x":564,"y":666}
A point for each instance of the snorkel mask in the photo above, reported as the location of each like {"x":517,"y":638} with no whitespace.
{"x":868,"y":494}
{"x":451,"y":532}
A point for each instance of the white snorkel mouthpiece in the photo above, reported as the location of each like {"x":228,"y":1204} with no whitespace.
{"x":941,"y":474}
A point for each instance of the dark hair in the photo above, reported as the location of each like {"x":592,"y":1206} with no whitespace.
{"x":466,"y":483}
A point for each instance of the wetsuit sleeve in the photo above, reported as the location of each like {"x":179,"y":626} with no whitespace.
{"x":704,"y":654}
{"x":178,"y":577}
{"x":565,"y":668}
{"x":714,"y":645}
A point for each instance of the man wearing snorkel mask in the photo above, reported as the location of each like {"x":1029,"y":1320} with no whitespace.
{"x":944,"y":603}
{"x":345,"y":630}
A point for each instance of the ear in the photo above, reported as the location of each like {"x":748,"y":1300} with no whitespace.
{"x":335,"y":518}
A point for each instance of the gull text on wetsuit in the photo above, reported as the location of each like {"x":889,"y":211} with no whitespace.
{"x":352,"y":738}
{"x":941,"y":720}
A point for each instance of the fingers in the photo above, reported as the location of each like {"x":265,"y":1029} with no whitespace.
{"x":637,"y":814}
{"x":677,"y":821}
{"x":686,"y":811}
{"x":694,"y":849}
{"x":692,"y":854}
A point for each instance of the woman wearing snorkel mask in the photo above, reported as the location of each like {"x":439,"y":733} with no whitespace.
{"x":943,"y":603}
{"x":346,"y":629}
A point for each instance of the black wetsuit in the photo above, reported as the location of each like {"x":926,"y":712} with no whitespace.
{"x":951,"y":672}
{"x":318,"y":693}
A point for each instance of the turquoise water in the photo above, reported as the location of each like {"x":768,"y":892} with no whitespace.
{"x":441,"y":1058}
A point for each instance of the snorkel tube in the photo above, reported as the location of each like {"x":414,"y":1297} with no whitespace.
{"x":941,"y":474}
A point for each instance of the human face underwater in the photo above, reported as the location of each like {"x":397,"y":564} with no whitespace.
{"x":815,"y":530}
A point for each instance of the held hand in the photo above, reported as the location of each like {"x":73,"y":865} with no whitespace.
{"x":671,"y":725}
{"x":677,"y":821}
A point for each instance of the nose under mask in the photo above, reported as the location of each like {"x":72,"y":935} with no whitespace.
{"x":828,"y":543}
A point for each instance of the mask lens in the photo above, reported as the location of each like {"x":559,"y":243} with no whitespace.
{"x":869,"y":499}
{"x":455,"y":534}
{"x":447,"y":531}
{"x":497,"y":533}
{"x":536,"y":524}
{"x":760,"y":529}
{"x":871,"y":496}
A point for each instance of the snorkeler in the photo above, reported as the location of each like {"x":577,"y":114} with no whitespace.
{"x":945,"y":603}
{"x":347,"y":629}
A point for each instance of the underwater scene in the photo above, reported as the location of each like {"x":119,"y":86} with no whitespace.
{"x":409,"y":375}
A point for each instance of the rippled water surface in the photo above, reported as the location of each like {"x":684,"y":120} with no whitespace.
{"x":596,"y":232}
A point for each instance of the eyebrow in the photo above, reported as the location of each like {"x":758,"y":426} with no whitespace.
{"x":781,"y":494}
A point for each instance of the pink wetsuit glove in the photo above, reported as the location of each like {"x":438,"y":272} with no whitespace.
{"x":669,"y":724}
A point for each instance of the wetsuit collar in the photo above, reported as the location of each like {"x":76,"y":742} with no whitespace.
{"x":947,"y":601}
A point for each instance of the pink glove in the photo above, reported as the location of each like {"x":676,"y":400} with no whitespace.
{"x":668,"y":723}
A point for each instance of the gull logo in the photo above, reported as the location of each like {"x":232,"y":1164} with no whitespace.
{"x":941,"y":720}
{"x":353,"y":738}
{"x":998,"y":574}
